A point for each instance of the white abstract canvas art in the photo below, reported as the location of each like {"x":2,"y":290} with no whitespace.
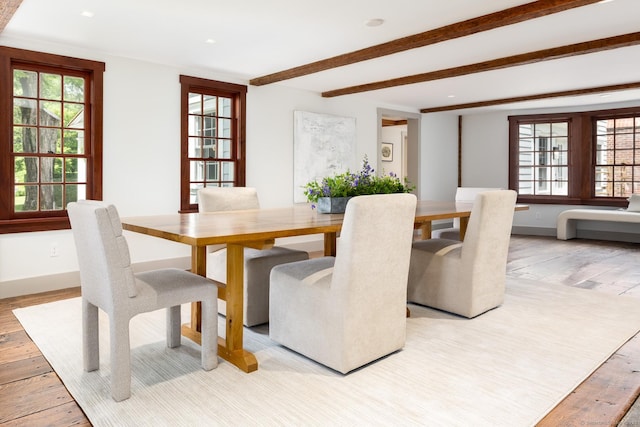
{"x":324,"y":145}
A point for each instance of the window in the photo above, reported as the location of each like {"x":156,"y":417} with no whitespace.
{"x":617,"y":162}
{"x":52,"y":149}
{"x":212,"y":137}
{"x":590,"y":157}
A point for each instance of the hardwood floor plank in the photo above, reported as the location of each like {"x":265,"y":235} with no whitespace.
{"x":68,"y":414}
{"x":16,"y":346}
{"x":32,"y":395}
{"x":23,"y":369}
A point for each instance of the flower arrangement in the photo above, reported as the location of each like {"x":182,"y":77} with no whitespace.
{"x":349,"y":184}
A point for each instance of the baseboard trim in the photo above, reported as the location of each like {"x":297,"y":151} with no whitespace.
{"x":71,"y":279}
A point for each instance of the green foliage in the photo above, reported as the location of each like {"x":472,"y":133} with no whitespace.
{"x":350,"y":184}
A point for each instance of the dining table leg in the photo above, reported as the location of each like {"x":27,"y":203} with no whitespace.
{"x":330,"y":245}
{"x":230,"y":348}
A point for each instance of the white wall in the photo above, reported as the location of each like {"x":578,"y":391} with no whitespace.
{"x":439,"y":157}
{"x":142,"y":158}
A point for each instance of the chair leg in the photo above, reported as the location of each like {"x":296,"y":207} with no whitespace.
{"x":209,"y":336}
{"x":90,"y":337}
{"x":120,"y":359}
{"x":173,"y":326}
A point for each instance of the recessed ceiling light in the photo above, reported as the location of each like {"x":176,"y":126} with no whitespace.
{"x":376,"y":22}
{"x":604,"y":1}
{"x":210,"y":41}
{"x":87,"y":14}
{"x":451,"y":96}
{"x":605,"y":95}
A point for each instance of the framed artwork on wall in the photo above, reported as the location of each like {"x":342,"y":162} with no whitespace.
{"x":386,"y":152}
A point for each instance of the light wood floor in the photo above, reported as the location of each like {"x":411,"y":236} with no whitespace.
{"x":31,"y":394}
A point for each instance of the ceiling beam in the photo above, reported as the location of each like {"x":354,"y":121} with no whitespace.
{"x":568,"y":51}
{"x":487,"y":22}
{"x":574,"y":92}
{"x":7,"y":9}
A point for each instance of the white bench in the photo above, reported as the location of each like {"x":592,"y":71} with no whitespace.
{"x":566,"y":224}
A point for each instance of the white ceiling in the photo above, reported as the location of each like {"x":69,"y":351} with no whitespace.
{"x":259,"y":37}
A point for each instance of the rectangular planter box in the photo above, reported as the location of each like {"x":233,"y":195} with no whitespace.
{"x":332,"y":204}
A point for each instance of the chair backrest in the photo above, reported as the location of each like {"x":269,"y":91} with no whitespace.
{"x":103,"y":254}
{"x":215,"y":199}
{"x":373,"y":253}
{"x":486,"y":242}
{"x":468,"y":195}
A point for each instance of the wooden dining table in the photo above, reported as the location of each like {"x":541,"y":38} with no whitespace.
{"x":258,"y":228}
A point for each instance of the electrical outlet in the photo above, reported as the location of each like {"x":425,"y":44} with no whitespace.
{"x":54,"y":250}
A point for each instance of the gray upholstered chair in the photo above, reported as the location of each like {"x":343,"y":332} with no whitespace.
{"x":466,"y":278}
{"x":108,"y":283}
{"x":465,"y":195}
{"x":257,"y":263}
{"x":347,"y":311}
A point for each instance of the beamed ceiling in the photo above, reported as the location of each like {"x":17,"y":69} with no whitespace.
{"x":461,"y":56}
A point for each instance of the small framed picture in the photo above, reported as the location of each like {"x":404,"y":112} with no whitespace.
{"x":387,"y":152}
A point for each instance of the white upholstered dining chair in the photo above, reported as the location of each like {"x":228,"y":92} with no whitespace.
{"x":108,"y":283}
{"x":257,"y":263}
{"x":466,"y":278}
{"x":349,"y":310}
{"x":465,"y":195}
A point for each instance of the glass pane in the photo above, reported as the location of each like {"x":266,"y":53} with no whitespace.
{"x":194,"y":147}
{"x":525,"y":174}
{"x":624,"y":141}
{"x":526,"y":144}
{"x":50,"y":112}
{"x":195,"y":125}
{"x":623,"y":157}
{"x":51,"y":169}
{"x":560,"y":143}
{"x":75,"y":192}
{"x":560,"y":174}
{"x":224,"y":145}
{"x":604,"y":127}
{"x":75,"y":170}
{"x":209,"y":126}
{"x":209,"y":148}
{"x":197,"y":171}
{"x":195,"y":103}
{"x":213,"y":171}
{"x":637,"y":125}
{"x":543,"y":158}
{"x":50,"y":86}
{"x":24,"y":139}
{"x":73,"y":115}
{"x":224,"y":128}
{"x":26,"y":198}
{"x":25,"y":111}
{"x":560,"y":188}
{"x":24,"y":83}
{"x":50,"y":140}
{"x":560,"y":129}
{"x":26,"y":169}
{"x":525,"y":187}
{"x":224,"y":107}
{"x":73,"y":89}
{"x":604,"y":142}
{"x":209,"y":105}
{"x":542,"y":129}
{"x":560,"y":158}
{"x":51,"y":198}
{"x":73,"y":142}
{"x":227,"y":171}
{"x":605,"y":157}
{"x":541,"y":174}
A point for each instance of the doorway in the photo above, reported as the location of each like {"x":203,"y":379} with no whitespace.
{"x":398,"y":145}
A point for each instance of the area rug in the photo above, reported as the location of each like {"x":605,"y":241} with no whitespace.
{"x":508,"y":367}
